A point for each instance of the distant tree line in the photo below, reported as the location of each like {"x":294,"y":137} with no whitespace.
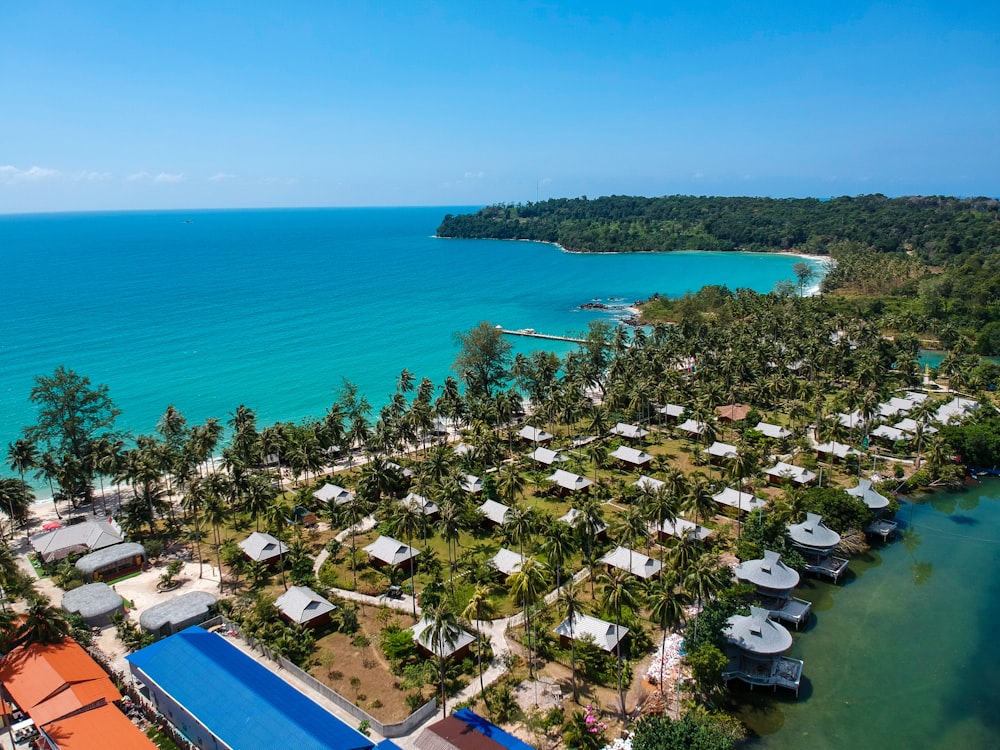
{"x":929,"y":226}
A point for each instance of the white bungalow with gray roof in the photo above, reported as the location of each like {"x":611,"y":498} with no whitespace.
{"x":894,"y":406}
{"x":910,"y":426}
{"x":649,"y":484}
{"x":415,"y":503}
{"x":877,"y":504}
{"x":574,"y":518}
{"x":773,"y":431}
{"x":96,"y":603}
{"x":743,"y":501}
{"x":629,"y":431}
{"x":535,"y":435}
{"x":955,"y":410}
{"x":692,"y":427}
{"x":782,"y":472}
{"x":815,"y":540}
{"x":496,"y":513}
{"x":722,"y":450}
{"x":630,"y":456}
{"x":333,"y":493}
{"x":605,"y":635}
{"x":471,"y":484}
{"x":454,"y":644}
{"x":851,"y":420}
{"x":391,"y":552}
{"x":506,"y":562}
{"x":889,"y":434}
{"x":835,"y":450}
{"x":112,"y":562}
{"x":174,"y":615}
{"x":546,"y":456}
{"x":632,"y":562}
{"x":263,"y":548}
{"x":681,"y":528}
{"x":303,"y":606}
{"x":755,"y":645}
{"x":774,"y":582}
{"x":80,"y":537}
{"x":567,"y":481}
{"x":671,"y":411}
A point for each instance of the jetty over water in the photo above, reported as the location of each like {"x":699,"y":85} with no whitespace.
{"x":532,"y":333}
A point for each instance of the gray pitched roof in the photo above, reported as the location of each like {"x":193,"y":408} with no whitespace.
{"x":89,"y":564}
{"x":390,"y":551}
{"x":302,"y":605}
{"x":741,"y":500}
{"x":814,"y":533}
{"x":649,"y":484}
{"x":494,"y":511}
{"x":631,"y":455}
{"x":772,"y":430}
{"x":568,"y":480}
{"x":692,"y":425}
{"x":471,"y":484}
{"x":546,"y":456}
{"x":671,"y":410}
{"x":630,"y":431}
{"x":418,"y":503}
{"x":722,"y":450}
{"x":92,"y":535}
{"x":534,"y":434}
{"x":262,"y":547}
{"x":574,"y":516}
{"x":334,"y":492}
{"x":757,"y":634}
{"x":872,"y":498}
{"x":768,"y":573}
{"x":683,"y":528}
{"x":633,"y":562}
{"x":606,"y":635}
{"x":422,"y":634}
{"x":507,"y":561}
{"x":788,"y":471}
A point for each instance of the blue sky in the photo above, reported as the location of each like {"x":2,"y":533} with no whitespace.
{"x":126,"y":105}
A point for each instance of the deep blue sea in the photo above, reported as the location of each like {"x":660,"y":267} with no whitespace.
{"x":208,"y":310}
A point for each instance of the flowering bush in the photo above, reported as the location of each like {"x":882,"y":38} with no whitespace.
{"x":594,"y":724}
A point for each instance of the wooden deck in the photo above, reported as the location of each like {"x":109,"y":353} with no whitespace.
{"x":784,"y":672}
{"x":829,"y":566}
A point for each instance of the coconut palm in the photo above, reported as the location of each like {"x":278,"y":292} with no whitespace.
{"x":558,"y":544}
{"x":699,"y":498}
{"x":569,"y":607}
{"x":618,"y":591}
{"x":192,"y":502}
{"x":666,"y":606}
{"x":42,"y":623}
{"x":478,"y":609}
{"x":443,"y":632}
{"x":526,"y":585}
{"x":704,"y":579}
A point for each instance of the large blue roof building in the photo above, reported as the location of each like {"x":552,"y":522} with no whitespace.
{"x":222,"y":699}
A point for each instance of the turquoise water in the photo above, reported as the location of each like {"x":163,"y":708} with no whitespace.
{"x":907,"y":653}
{"x":274,"y":308}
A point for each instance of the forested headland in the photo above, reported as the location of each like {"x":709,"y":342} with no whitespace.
{"x":922,"y":265}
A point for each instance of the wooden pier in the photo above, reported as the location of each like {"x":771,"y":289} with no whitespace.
{"x":531,"y":333}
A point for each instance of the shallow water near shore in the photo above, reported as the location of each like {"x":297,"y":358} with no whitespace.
{"x":208,"y":310}
{"x":905,"y":653}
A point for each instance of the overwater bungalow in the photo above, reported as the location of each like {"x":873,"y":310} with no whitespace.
{"x":774,"y":582}
{"x":755,"y":647}
{"x":877,"y":504}
{"x":630,"y":458}
{"x":816,"y":541}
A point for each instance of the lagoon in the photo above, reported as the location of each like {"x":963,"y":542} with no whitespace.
{"x":905,"y":654}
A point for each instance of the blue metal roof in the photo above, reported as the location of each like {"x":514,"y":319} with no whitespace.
{"x":240,"y":701}
{"x":490,"y":730}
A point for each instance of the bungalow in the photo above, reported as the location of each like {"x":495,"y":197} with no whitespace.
{"x":774,"y":582}
{"x":877,"y":503}
{"x":755,"y":645}
{"x":851,"y":420}
{"x":465,"y":730}
{"x":303,"y":606}
{"x":648,"y":484}
{"x":733,"y":412}
{"x":692,"y":427}
{"x":955,"y":410}
{"x":671,"y":411}
{"x":96,"y":603}
{"x":389,"y":552}
{"x":506,"y":562}
{"x":681,"y":529}
{"x":112,"y":562}
{"x":261,"y":547}
{"x":722,"y":450}
{"x":574,"y":518}
{"x":632,"y":562}
{"x":546,"y":456}
{"x":402,"y":471}
{"x":567,"y":482}
{"x":911,"y":426}
{"x":834,"y":450}
{"x":496,"y":513}
{"x":815,"y":540}
{"x":889,"y":434}
{"x":773,"y":431}
{"x":419,"y":504}
{"x":743,"y":501}
{"x":782,"y":472}
{"x":534,"y":435}
{"x":80,"y":537}
{"x":605,"y":635}
{"x":333,"y":493}
{"x":894,"y":406}
{"x":471,"y":484}
{"x":177,"y":614}
{"x":454,"y":643}
{"x":630,"y":457}
{"x":629,"y":431}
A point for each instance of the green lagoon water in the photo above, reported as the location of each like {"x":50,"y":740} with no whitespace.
{"x":906,"y":653}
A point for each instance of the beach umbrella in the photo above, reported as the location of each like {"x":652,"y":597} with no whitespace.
{"x":49,"y":525}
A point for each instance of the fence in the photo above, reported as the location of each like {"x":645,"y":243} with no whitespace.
{"x":398,"y":729}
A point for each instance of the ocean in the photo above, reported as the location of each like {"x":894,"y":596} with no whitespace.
{"x":207,"y":310}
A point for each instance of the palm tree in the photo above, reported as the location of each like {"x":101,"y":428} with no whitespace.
{"x":478,"y":609}
{"x":558,"y":543}
{"x":659,"y":506}
{"x":618,"y":590}
{"x":192,"y":502}
{"x":22,"y":456}
{"x":526,"y":585}
{"x":42,"y":623}
{"x":216,"y":513}
{"x":351,"y":514}
{"x":15,"y":499}
{"x":666,"y":607}
{"x":703,"y":579}
{"x":443,"y":632}
{"x":699,"y":498}
{"x":569,"y":608}
{"x":408,"y":522}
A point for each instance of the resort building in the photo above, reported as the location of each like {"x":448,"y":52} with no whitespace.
{"x":303,"y":606}
{"x":98,"y":728}
{"x":419,"y":504}
{"x":889,"y":434}
{"x":911,"y":426}
{"x":454,"y":644}
{"x":575,"y":518}
{"x":506,"y":562}
{"x":629,"y":431}
{"x":816,"y":541}
{"x":534,"y":435}
{"x":546,"y":456}
{"x":80,"y":537}
{"x":333,"y":493}
{"x":112,"y":562}
{"x":681,"y":529}
{"x":219,"y":697}
{"x":693,"y":427}
{"x":894,"y":406}
{"x":263,"y":548}
{"x":630,"y":458}
{"x":632,"y":562}
{"x":471,"y":484}
{"x":405,"y":474}
{"x":732,"y":412}
{"x":96,"y":603}
{"x":773,"y":431}
{"x":835,"y":451}
{"x":851,"y":420}
{"x":567,"y":482}
{"x":782,"y":472}
{"x":496,"y":513}
{"x":174,"y":615}
{"x":774,"y":582}
{"x":648,"y":484}
{"x":605,"y":635}
{"x":877,"y":503}
{"x":721,"y":450}
{"x":465,"y":730}
{"x":671,"y":411}
{"x":389,"y":552}
{"x":955,"y":410}
{"x":755,"y":647}
{"x":742,"y":501}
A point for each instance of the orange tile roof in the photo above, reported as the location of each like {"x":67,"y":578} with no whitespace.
{"x":98,"y":729}
{"x":49,"y":681}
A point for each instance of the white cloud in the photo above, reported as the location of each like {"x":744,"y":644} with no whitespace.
{"x":169,"y":177}
{"x":10,"y":174}
{"x":90,"y":176}
{"x":135,"y":177}
{"x":475,"y":175}
{"x":221,"y":177}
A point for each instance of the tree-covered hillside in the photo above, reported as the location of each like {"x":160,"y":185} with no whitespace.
{"x":930,"y":226}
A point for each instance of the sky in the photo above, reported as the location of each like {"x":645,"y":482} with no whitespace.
{"x":148,"y":105}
